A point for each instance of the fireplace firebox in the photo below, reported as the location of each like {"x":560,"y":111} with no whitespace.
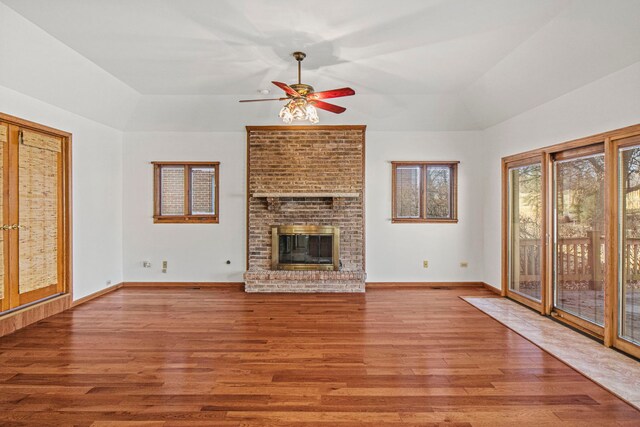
{"x":305,"y":247}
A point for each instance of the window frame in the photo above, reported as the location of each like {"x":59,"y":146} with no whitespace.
{"x":187,"y":218}
{"x":424,"y":165}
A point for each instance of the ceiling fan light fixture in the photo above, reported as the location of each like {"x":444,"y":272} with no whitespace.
{"x":285,"y":114}
{"x":299,"y":109}
{"x":312,"y":114}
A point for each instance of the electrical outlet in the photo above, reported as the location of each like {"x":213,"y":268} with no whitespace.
{"x":464,"y":264}
{"x":108,"y":282}
{"x":425,"y":264}
{"x":164,"y":266}
{"x":146,"y":264}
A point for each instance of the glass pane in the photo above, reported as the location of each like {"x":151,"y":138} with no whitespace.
{"x":305,"y":249}
{"x":203,"y":187}
{"x":525,"y":230}
{"x":172,"y":190}
{"x":438,"y":192}
{"x":579,"y":238}
{"x":629,"y":290}
{"x":408,"y":183}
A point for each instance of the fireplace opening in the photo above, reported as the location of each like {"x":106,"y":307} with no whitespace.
{"x":305,"y":247}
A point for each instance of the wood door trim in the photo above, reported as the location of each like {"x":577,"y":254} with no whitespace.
{"x":11,"y":206}
{"x":38,"y":294}
{"x":580,"y":142}
{"x":65,"y":281}
{"x":571,"y":154}
{"x":580,"y":152}
{"x":524,"y":300}
{"x":33,"y":126}
{"x":611,"y":255}
{"x":578,"y":322}
{"x":612,"y":335}
{"x":529,"y":160}
{"x":4,"y":303}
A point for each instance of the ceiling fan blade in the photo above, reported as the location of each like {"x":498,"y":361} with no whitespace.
{"x":329,"y":107}
{"x":266,"y":99}
{"x":334,"y":93}
{"x":285,"y":87}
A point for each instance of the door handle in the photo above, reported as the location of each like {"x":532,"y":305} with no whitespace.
{"x":12,"y":227}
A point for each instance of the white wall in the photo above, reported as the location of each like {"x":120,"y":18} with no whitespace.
{"x":36,"y":64}
{"x":609,"y":103}
{"x":97,"y":190}
{"x":195,"y":252}
{"x":47,"y":82}
{"x":394,"y":251}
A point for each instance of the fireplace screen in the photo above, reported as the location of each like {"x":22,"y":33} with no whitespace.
{"x":305,"y":247}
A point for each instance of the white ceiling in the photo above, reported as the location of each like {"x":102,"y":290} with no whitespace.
{"x":415,"y":64}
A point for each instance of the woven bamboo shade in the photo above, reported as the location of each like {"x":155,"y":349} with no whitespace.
{"x":39,"y":140}
{"x":3,"y":147}
{"x":38,"y":210}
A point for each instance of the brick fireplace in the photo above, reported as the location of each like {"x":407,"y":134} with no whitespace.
{"x":310,"y":176}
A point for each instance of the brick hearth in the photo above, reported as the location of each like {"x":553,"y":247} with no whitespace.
{"x":299,"y":162}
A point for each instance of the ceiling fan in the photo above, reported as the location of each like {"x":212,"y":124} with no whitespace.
{"x":303,"y":101}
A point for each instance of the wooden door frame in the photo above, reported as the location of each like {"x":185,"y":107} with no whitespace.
{"x":4,"y":303}
{"x":591,"y":148}
{"x":530,"y":158}
{"x":65,"y":260}
{"x":614,"y":313}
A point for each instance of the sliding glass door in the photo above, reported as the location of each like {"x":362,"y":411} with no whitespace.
{"x":627,"y":304}
{"x":571,"y":234}
{"x":525,"y":232}
{"x":579,"y":245}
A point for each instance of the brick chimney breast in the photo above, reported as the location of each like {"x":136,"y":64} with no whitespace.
{"x":305,"y":175}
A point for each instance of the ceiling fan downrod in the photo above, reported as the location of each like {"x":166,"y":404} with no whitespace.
{"x":299,"y":56}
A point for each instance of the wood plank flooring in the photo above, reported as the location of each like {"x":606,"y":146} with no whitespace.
{"x":191,"y":357}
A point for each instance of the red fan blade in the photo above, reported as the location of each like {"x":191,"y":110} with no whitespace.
{"x":335,"y":93}
{"x":329,"y":107}
{"x":266,"y":99}
{"x":285,"y":87}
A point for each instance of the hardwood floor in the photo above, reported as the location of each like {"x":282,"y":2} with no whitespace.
{"x":162,"y":356}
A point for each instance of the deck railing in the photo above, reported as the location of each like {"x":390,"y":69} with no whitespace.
{"x":577,"y":259}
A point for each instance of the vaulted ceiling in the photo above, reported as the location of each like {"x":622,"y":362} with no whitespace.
{"x":415,"y":64}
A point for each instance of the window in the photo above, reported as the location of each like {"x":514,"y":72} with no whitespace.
{"x":186,"y":192}
{"x":425,"y":191}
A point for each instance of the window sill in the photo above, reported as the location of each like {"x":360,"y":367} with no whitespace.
{"x":423,"y":221}
{"x":185,"y":219}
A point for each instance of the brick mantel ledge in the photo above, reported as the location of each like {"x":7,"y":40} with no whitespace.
{"x":306,"y":195}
